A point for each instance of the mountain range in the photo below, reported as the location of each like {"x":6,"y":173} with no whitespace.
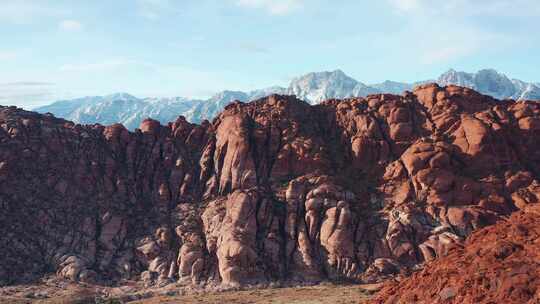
{"x":312,"y":88}
{"x":436,"y":192}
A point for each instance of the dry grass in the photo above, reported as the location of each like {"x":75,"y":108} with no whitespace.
{"x":73,"y":293}
{"x":321,"y":294}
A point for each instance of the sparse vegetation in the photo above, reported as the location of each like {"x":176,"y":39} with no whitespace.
{"x":321,"y":294}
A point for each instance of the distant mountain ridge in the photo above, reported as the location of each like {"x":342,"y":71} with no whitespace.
{"x":490,"y":82}
{"x":312,"y":87}
{"x":317,"y":87}
{"x":131,"y":111}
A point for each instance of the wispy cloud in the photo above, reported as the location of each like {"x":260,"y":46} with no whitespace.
{"x":70,"y":25}
{"x":95,"y":66}
{"x":460,"y":42}
{"x":26,"y":84}
{"x":26,"y":94}
{"x":461,"y":8}
{"x":454,"y":28}
{"x":24,"y":98}
{"x":120,"y":64}
{"x":274,"y":7}
{"x":153,"y":9}
{"x":27,"y":11}
{"x":170,"y":78}
{"x":8,"y":55}
{"x":406,"y":5}
{"x":446,"y":53}
{"x":253,"y":48}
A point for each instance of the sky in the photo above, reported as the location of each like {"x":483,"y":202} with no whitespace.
{"x":58,"y":49}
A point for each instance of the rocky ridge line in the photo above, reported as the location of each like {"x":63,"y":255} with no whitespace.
{"x":274,"y":190}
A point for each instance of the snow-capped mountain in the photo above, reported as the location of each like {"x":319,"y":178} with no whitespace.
{"x":526,"y":91}
{"x":210,"y":108}
{"x":131,"y":111}
{"x":313,"y":88}
{"x":393,"y":87}
{"x":317,"y":87}
{"x":490,"y":82}
{"x":121,"y":107}
{"x":257,"y":94}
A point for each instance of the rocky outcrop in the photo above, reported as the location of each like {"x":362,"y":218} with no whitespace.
{"x":497,"y":264}
{"x":274,"y":190}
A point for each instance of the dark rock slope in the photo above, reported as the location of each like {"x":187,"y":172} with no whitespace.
{"x":272,"y":190}
{"x":497,"y":264}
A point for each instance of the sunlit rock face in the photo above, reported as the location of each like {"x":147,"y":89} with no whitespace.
{"x":275,"y":190}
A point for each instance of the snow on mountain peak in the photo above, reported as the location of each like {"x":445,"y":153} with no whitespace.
{"x":320,"y":86}
{"x":486,"y":81}
{"x":312,"y":87}
{"x":120,"y":96}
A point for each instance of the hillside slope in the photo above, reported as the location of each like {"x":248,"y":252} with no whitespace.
{"x":497,"y":264}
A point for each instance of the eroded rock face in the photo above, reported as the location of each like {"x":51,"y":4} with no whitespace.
{"x":274,"y":190}
{"x":497,"y":264}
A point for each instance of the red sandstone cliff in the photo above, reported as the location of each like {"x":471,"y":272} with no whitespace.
{"x":497,"y":264}
{"x":273,"y":190}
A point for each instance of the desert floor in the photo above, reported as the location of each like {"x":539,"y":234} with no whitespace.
{"x":320,"y":294}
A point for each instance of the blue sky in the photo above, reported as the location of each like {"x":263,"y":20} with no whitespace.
{"x":53,"y":49}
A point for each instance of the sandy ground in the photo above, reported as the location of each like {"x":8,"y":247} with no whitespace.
{"x":296,"y":295}
{"x":62,"y":292}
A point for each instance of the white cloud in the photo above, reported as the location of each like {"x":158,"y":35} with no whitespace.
{"x":95,"y":66}
{"x":153,"y":9}
{"x":26,"y":94}
{"x":139,"y":77}
{"x":446,"y":53}
{"x":454,"y":43}
{"x":27,"y":11}
{"x":7,"y":55}
{"x":451,"y":30}
{"x":26,"y":84}
{"x":253,"y":48}
{"x":118,"y":64}
{"x":406,"y":5}
{"x":274,"y":7}
{"x":464,"y":8}
{"x":70,"y":25}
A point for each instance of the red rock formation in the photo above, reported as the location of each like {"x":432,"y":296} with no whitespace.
{"x":273,"y":190}
{"x":497,"y":264}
